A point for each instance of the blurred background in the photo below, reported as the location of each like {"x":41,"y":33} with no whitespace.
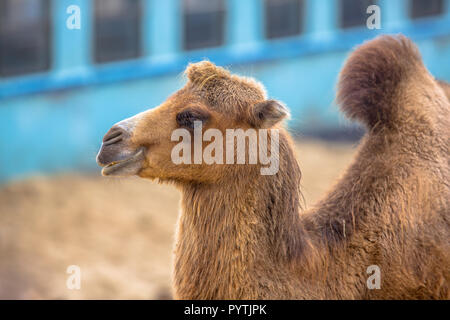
{"x":62,"y":88}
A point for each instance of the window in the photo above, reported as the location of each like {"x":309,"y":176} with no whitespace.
{"x":354,"y":12}
{"x":24,"y":36}
{"x":117,"y":30}
{"x":425,"y":8}
{"x":203,"y":23}
{"x":283,"y":18}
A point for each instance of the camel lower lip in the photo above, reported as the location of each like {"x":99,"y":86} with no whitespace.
{"x":116,"y":166}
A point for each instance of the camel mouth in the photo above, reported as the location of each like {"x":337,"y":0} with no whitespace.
{"x":125,"y":167}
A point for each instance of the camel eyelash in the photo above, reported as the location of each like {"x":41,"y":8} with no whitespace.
{"x":187,"y":118}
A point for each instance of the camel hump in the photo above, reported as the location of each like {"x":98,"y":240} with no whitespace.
{"x":368,"y":84}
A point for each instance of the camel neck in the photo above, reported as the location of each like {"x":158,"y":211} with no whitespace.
{"x":236,"y":227}
{"x":262,"y":208}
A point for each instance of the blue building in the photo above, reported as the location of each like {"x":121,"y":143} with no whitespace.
{"x":62,"y":87}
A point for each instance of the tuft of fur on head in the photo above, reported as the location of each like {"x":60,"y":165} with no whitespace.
{"x":369,"y":83}
{"x":204,"y":74}
{"x":224,"y":91}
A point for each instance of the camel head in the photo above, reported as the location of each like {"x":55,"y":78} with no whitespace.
{"x":212,"y":98}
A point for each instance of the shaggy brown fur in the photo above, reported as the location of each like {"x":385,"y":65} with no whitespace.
{"x":241,"y":234}
{"x":446,"y":87}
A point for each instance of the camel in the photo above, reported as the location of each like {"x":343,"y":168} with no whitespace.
{"x":244,"y":235}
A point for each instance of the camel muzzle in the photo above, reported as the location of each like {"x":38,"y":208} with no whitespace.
{"x":117,"y":156}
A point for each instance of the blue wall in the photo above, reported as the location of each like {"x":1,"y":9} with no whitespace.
{"x":54,"y":121}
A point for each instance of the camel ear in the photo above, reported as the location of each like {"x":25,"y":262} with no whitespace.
{"x":268,"y":113}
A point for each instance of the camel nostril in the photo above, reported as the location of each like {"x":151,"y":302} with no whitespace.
{"x":112,"y":141}
{"x":113,"y":136}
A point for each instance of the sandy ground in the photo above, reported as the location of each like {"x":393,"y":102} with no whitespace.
{"x":118,"y":231}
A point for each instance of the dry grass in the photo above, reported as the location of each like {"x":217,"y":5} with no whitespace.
{"x":119,"y":231}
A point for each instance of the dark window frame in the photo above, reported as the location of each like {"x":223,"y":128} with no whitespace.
{"x":47,"y":33}
{"x":99,"y":57}
{"x":276,"y":34}
{"x":221,"y":15}
{"x":414,"y":15}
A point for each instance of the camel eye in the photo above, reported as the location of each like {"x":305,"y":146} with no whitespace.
{"x":187,"y":118}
